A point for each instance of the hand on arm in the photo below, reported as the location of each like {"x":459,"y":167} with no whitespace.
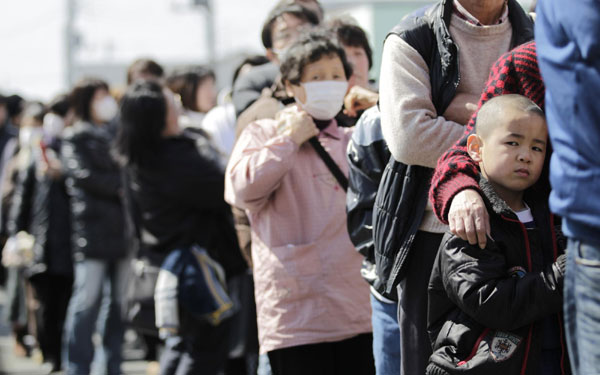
{"x":468,"y":218}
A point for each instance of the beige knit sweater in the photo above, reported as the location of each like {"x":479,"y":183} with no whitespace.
{"x":415,"y":133}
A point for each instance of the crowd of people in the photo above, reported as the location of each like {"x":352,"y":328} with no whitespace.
{"x":442,"y":221}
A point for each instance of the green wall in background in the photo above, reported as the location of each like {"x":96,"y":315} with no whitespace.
{"x":385,"y":17}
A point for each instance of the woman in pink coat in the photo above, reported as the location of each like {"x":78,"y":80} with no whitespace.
{"x":312,"y":305}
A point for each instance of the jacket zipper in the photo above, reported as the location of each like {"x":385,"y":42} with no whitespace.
{"x":524,"y":367}
{"x":474,"y":350}
{"x":529,"y":266}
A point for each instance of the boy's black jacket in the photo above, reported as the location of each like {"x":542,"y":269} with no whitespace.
{"x":486,"y":306}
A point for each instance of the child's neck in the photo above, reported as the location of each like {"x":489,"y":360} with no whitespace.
{"x":514,"y":199}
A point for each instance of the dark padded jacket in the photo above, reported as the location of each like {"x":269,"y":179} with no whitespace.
{"x":40,"y":206}
{"x":94,"y":186}
{"x":179,"y":196}
{"x":489,"y":310}
{"x":367,"y":156}
{"x":402,"y":195}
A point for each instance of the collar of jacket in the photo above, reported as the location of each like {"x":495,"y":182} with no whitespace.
{"x":497,"y":205}
{"x":332,"y":130}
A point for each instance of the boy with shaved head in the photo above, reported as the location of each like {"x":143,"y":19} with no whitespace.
{"x":498,"y":310}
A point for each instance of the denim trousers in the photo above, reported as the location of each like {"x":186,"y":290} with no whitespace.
{"x":96,"y":303}
{"x":386,"y":337}
{"x":582,"y":307}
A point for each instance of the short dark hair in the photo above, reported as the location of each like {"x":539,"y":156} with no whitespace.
{"x":309,"y":48}
{"x":255,"y":60}
{"x":144,"y":66}
{"x":14,"y":105}
{"x":81,"y":95}
{"x":185,"y":82}
{"x":143,"y":119}
{"x":59,"y":105}
{"x":295,"y":9}
{"x":350,"y":34}
{"x":490,"y":111}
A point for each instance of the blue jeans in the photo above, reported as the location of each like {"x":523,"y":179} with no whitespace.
{"x":386,"y":337}
{"x":582,"y":307}
{"x":95,"y":279}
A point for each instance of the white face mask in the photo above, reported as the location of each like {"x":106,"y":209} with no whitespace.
{"x":324,"y":99}
{"x":106,"y":108}
{"x":53,"y":125}
{"x":30,"y":134}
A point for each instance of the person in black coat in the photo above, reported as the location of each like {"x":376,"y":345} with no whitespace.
{"x":40,"y":207}
{"x":177,"y":182}
{"x":93,"y":184}
{"x":498,"y":310}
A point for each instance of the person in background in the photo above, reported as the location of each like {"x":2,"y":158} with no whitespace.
{"x":177,"y":183}
{"x":312,"y":305}
{"x":568,"y":44}
{"x":7,"y":132}
{"x":40,"y":207}
{"x":220,"y":121}
{"x":367,"y":156}
{"x":283,"y":26}
{"x":19,"y":296}
{"x":278,"y":32}
{"x":144,"y":68}
{"x":361,"y":94}
{"x":98,"y":238}
{"x":434,"y":67}
{"x":197,"y":91}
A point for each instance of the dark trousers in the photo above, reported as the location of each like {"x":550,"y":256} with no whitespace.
{"x":415,"y":346}
{"x":52,"y":293}
{"x":201,"y":349}
{"x":350,"y":356}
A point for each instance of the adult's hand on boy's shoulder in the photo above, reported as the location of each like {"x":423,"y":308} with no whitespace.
{"x":468,"y":217}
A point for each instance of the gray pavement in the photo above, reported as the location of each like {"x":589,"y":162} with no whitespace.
{"x":10,"y":364}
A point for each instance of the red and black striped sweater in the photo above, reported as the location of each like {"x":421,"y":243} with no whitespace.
{"x":515,"y":72}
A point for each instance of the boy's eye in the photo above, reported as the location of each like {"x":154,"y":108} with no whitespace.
{"x":512,"y":143}
{"x":537,"y":149}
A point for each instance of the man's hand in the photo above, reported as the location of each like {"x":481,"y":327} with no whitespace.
{"x":357,"y":99}
{"x":296,"y":124}
{"x":461,"y":108}
{"x":468,"y":217}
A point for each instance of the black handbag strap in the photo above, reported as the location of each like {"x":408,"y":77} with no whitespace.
{"x":331,"y":165}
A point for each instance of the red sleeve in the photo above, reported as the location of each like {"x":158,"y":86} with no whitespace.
{"x":514,"y":72}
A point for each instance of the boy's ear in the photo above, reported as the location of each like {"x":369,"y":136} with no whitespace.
{"x":474,"y":145}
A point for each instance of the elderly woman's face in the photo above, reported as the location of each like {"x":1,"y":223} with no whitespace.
{"x":327,"y":68}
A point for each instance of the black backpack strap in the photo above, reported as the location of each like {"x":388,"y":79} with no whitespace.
{"x":331,"y":165}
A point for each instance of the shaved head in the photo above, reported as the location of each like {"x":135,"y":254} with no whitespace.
{"x":493,"y":111}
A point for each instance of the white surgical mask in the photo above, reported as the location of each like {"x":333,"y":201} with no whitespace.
{"x":30,"y":134}
{"x":324,"y":99}
{"x":106,"y":108}
{"x":53,"y":125}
